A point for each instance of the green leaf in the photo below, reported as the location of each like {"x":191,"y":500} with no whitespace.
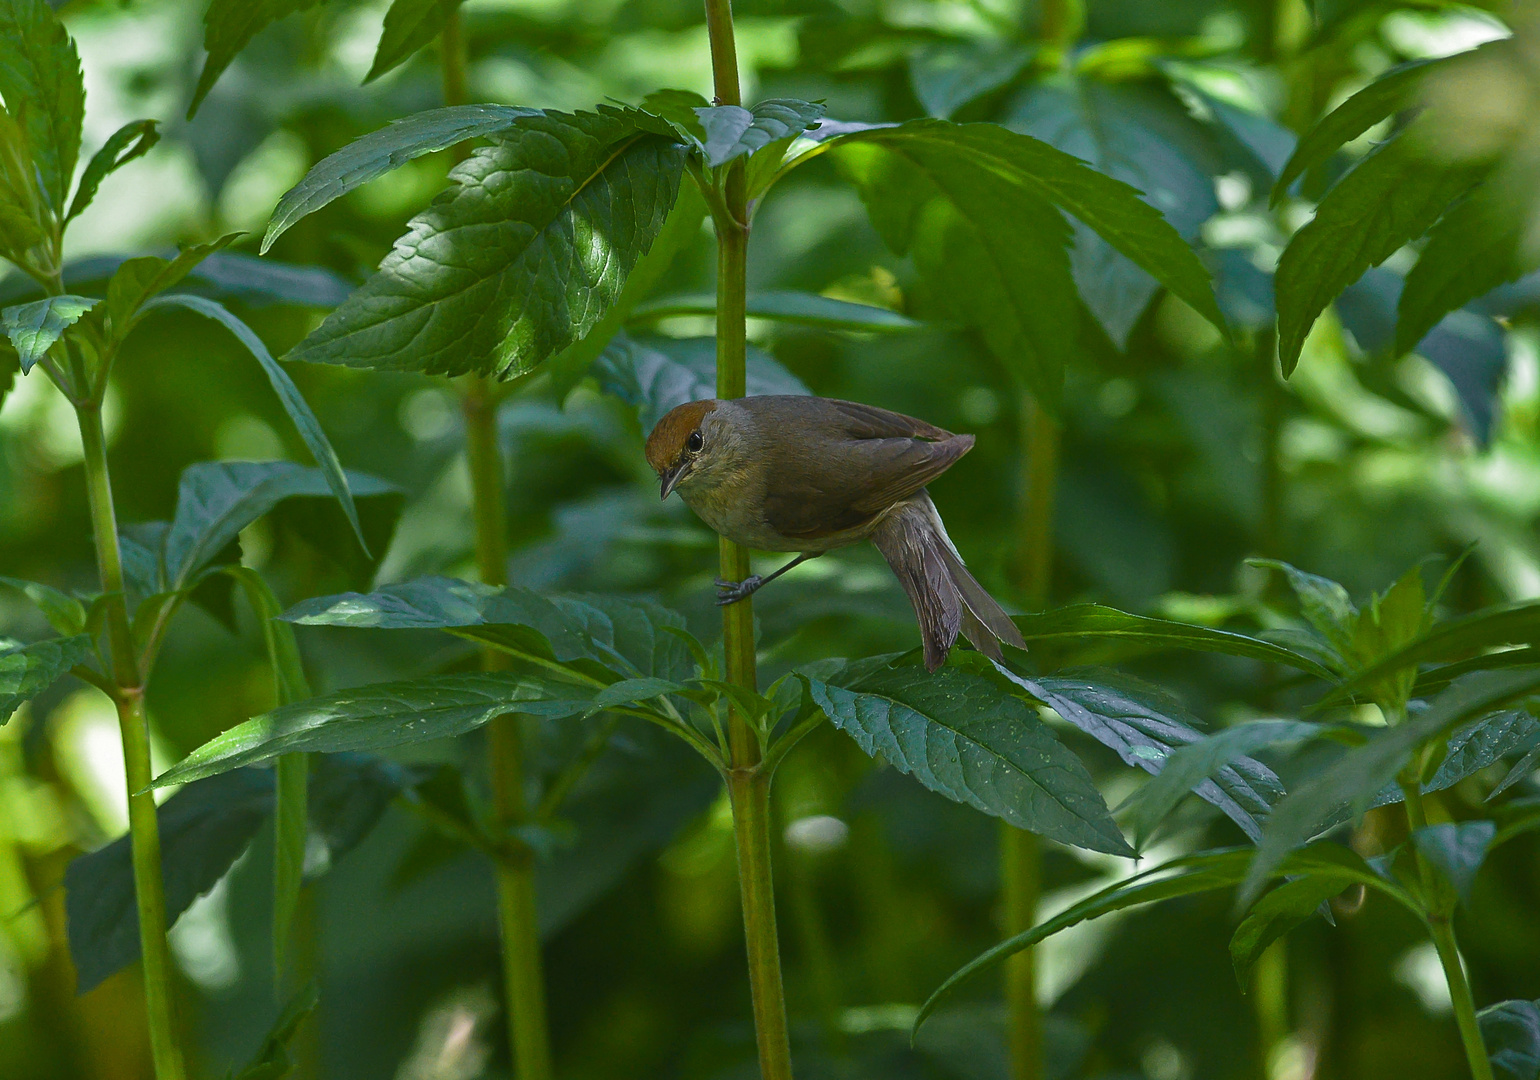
{"x":409,"y":26}
{"x":379,"y":717}
{"x":63,"y":612}
{"x":520,"y":257}
{"x":948,"y":75}
{"x":381,"y":151}
{"x":1322,"y":601}
{"x":960,"y":736}
{"x":1189,"y":766}
{"x":43,"y":89}
{"x":1475,"y":746}
{"x":785,"y":305}
{"x":203,"y":830}
{"x":28,"y":670}
{"x":1345,"y":788}
{"x":1118,"y":713}
{"x":137,"y":280}
{"x":1520,"y":771}
{"x":1511,"y":1032}
{"x":33,"y":328}
{"x":1390,"y":93}
{"x":293,"y":402}
{"x":1457,"y":851}
{"x":228,"y":26}
{"x":643,"y":635}
{"x":731,"y":131}
{"x":1391,"y":197}
{"x":656,"y":373}
{"x":1095,"y":624}
{"x":273,"y":1061}
{"x":1274,"y":915}
{"x":134,"y":139}
{"x":632,"y":692}
{"x":10,"y":366}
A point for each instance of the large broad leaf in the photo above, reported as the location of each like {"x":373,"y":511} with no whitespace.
{"x":227,"y":26}
{"x":1138,"y":134}
{"x":203,"y":830}
{"x":732,"y":131}
{"x":642,"y":634}
{"x":785,"y":305}
{"x":409,"y":25}
{"x":379,"y":717}
{"x":1457,"y":851}
{"x":1121,"y":715}
{"x":33,"y":328}
{"x":1511,"y":1032}
{"x":1093,"y":624}
{"x":134,"y":139}
{"x":1347,"y":787}
{"x":381,"y":151}
{"x":43,"y":89}
{"x":518,"y":259}
{"x":1391,"y":197}
{"x":959,"y":735}
{"x":656,"y":374}
{"x":294,"y":404}
{"x":28,"y":670}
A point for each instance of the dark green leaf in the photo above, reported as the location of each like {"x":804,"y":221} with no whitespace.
{"x":133,"y":139}
{"x":1457,"y":851}
{"x":28,"y":670}
{"x":1274,"y":915}
{"x":33,"y":328}
{"x":1511,"y":1032}
{"x":348,"y":795}
{"x":1520,"y":771}
{"x":960,"y":736}
{"x":640,"y":636}
{"x":1478,"y":745}
{"x":655,"y":374}
{"x":801,"y":308}
{"x":41,"y":83}
{"x":203,"y":830}
{"x":293,"y":401}
{"x":731,"y":131}
{"x":381,"y":151}
{"x":948,"y":75}
{"x":228,"y":25}
{"x":63,"y":612}
{"x":633,"y":692}
{"x":520,"y":257}
{"x":1322,"y":601}
{"x":137,"y":280}
{"x":273,"y":1060}
{"x":290,"y":832}
{"x":409,"y":25}
{"x":1391,"y":197}
{"x":378,"y":717}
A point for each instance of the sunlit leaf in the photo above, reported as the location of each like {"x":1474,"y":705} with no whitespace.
{"x":33,"y":328}
{"x":43,"y":89}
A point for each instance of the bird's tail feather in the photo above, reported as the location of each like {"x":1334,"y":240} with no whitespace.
{"x":946,"y":597}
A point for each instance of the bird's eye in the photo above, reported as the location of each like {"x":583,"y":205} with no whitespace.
{"x":695,"y":443}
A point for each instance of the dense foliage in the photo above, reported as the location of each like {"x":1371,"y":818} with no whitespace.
{"x":346,"y":638}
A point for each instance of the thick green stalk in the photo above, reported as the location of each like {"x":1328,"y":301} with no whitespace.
{"x":1442,"y":929}
{"x":144,"y":830}
{"x":523,"y":971}
{"x":1021,"y":857}
{"x":748,"y":780}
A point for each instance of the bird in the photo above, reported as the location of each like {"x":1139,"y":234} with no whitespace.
{"x":786,"y":473}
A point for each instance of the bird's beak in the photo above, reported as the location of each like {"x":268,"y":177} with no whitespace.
{"x":671,"y":477}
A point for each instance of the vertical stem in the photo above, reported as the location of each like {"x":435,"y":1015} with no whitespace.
{"x":1021,"y":854}
{"x":1442,"y":930}
{"x":748,"y":783}
{"x":144,"y":830}
{"x":518,"y":922}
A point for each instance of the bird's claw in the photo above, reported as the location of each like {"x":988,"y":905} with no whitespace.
{"x":730,"y":592}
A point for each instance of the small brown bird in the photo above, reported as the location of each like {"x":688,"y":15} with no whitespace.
{"x":811,"y":474}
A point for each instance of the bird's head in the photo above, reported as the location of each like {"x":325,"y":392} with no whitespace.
{"x":682,"y":441}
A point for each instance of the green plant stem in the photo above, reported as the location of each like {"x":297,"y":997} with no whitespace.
{"x":1061,"y":24}
{"x":1021,"y":857}
{"x":749,"y":790}
{"x":144,"y":830}
{"x":1442,"y":930}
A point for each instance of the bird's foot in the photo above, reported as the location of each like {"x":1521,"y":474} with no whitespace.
{"x":730,"y":592}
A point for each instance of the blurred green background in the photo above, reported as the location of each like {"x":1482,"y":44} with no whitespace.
{"x":1181,"y":456}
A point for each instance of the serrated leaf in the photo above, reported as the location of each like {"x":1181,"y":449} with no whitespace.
{"x":379,"y":717}
{"x":1457,"y":850}
{"x":136,"y":281}
{"x":1274,"y":915}
{"x":1391,"y":197}
{"x":33,"y":328}
{"x":520,"y":257}
{"x":948,"y":75}
{"x":1520,"y":771}
{"x":43,"y":89}
{"x":655,"y":373}
{"x":633,"y":692}
{"x":786,"y":305}
{"x":1511,"y":1032}
{"x":646,"y":637}
{"x":294,"y":403}
{"x":134,"y":139}
{"x":63,"y":612}
{"x":731,"y":131}
{"x":1475,"y":746}
{"x":1118,"y":715}
{"x":1323,"y":602}
{"x":960,"y":736}
{"x":409,"y":25}
{"x":28,"y":670}
{"x":203,"y":830}
{"x":228,"y":25}
{"x":380,"y":151}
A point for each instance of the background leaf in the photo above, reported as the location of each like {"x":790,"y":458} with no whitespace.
{"x":785,"y":305}
{"x":227,"y":27}
{"x":409,"y":26}
{"x":1511,"y":1031}
{"x":656,"y":374}
{"x":1457,"y":850}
